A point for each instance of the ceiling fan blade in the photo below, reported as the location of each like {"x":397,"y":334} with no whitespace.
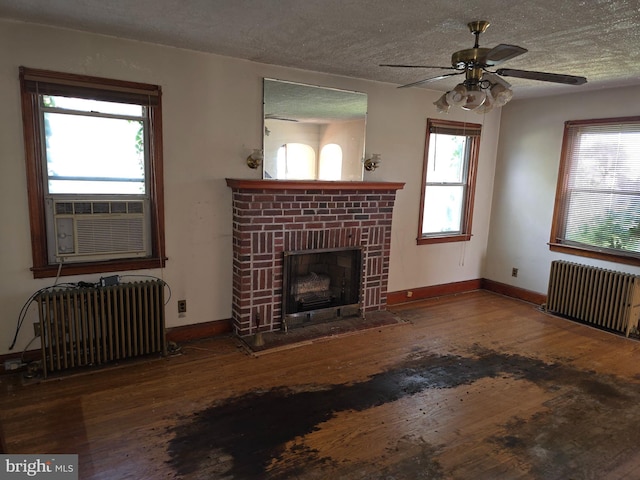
{"x":414,"y":66}
{"x":432,"y":79}
{"x":273,"y":116}
{"x":542,"y":76}
{"x":503,"y":52}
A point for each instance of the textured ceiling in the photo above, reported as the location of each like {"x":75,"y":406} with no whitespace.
{"x":599,"y":39}
{"x":289,"y":101}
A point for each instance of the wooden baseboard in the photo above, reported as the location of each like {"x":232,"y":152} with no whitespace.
{"x":219,"y":327}
{"x":422,"y":293}
{"x":515,"y":292}
{"x":198,"y":331}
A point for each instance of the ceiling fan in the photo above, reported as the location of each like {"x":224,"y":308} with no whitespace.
{"x":483,"y":89}
{"x":273,"y":116}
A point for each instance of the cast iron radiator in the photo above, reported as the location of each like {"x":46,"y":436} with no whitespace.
{"x":97,"y":325}
{"x":604,"y":298}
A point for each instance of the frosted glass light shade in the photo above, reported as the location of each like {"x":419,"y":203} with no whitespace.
{"x":501,"y":94}
{"x":475,"y":98}
{"x":486,"y":106}
{"x":458,"y":96}
{"x":441,"y":104}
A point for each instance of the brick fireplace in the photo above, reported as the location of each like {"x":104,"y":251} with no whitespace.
{"x":274,"y":217}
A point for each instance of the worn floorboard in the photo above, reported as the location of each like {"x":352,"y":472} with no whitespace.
{"x":475,"y":386}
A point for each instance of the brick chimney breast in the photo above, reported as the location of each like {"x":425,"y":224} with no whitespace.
{"x":271,"y":217}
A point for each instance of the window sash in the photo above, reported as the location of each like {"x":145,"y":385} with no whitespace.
{"x":453,"y":218}
{"x":82,"y":180}
{"x":450,"y":175}
{"x":597,"y":211}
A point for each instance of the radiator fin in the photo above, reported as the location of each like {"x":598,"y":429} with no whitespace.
{"x":604,"y":298}
{"x":94,"y":326}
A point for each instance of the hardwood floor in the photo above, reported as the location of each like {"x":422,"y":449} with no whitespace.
{"x":474,"y":386}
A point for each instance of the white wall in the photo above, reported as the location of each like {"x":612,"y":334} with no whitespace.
{"x":212,"y":109}
{"x":526,"y":177}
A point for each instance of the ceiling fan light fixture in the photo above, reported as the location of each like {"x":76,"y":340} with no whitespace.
{"x":501,"y":94}
{"x":441,"y":104}
{"x":475,"y":98}
{"x":481,"y":83}
{"x":457,"y":96}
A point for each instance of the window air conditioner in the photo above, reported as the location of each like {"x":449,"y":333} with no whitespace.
{"x":99,"y":230}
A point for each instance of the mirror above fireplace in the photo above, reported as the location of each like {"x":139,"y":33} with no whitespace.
{"x":313,"y":133}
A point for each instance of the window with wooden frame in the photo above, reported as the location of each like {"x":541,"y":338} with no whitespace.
{"x":93,"y":151}
{"x":448,"y":181}
{"x":597,"y":208}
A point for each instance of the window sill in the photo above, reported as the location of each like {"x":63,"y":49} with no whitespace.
{"x":598,"y":254}
{"x":444,"y":239}
{"x":98,"y":267}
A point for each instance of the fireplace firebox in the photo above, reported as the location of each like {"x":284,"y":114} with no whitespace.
{"x":321,"y":285}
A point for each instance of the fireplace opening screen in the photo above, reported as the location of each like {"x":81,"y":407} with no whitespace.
{"x":321,"y":285}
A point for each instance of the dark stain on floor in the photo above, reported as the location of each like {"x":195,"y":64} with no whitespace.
{"x":243,"y":437}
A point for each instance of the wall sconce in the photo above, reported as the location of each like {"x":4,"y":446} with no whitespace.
{"x":370,"y":164}
{"x":255,"y":159}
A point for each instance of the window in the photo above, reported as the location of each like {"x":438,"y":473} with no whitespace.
{"x":449,"y":173}
{"x":597,"y":209}
{"x":93,"y":149}
{"x":296,"y":161}
{"x":330,"y":162}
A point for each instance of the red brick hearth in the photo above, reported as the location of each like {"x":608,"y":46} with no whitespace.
{"x":271,"y":217}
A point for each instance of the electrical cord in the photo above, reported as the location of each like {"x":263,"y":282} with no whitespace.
{"x":23,"y":311}
{"x":24,"y":350}
{"x":58,"y":275}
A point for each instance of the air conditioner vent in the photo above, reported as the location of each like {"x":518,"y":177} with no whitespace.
{"x":118,"y":207}
{"x":101,"y":207}
{"x":100,"y":230}
{"x":110,"y":235}
{"x":135,"y":207}
{"x":64,"y":208}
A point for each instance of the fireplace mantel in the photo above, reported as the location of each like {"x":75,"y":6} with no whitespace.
{"x":248,"y":184}
{"x":271,"y":217}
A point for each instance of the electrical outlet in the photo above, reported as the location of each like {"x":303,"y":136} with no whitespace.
{"x":182,"y":306}
{"x":514,"y":272}
{"x":13,"y":364}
